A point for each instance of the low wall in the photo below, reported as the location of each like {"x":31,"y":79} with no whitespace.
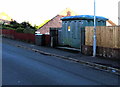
{"x":18,"y":36}
{"x":112,"y":53}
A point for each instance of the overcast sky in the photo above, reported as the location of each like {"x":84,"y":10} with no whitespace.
{"x":36,"y":11}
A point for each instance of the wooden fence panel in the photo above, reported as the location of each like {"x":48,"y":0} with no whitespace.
{"x":107,"y":36}
{"x":91,"y":36}
{"x":98,"y":33}
{"x":118,"y":37}
{"x":103,"y":36}
{"x":87,"y":34}
{"x":19,"y":36}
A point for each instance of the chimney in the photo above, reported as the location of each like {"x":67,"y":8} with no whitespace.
{"x":68,"y":13}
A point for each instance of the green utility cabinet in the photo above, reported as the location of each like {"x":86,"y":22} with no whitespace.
{"x":72,"y":33}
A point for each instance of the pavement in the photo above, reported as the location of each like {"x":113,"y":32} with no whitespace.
{"x":104,"y":63}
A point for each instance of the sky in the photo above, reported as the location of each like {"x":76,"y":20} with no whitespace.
{"x":37,"y":11}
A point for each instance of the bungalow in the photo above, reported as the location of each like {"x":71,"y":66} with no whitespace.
{"x":55,"y":22}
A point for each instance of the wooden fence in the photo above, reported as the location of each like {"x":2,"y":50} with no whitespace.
{"x":19,"y":36}
{"x":25,"y":37}
{"x":107,"y":36}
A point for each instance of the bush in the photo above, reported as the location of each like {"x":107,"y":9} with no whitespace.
{"x":14,"y":24}
{"x":20,"y":30}
{"x":29,"y":30}
{"x":9,"y":28}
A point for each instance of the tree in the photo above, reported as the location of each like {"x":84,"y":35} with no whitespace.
{"x":36,"y":27}
{"x":14,"y":24}
{"x":28,"y":25}
{"x":25,"y":25}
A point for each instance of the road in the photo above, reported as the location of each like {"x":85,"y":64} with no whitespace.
{"x":25,"y":67}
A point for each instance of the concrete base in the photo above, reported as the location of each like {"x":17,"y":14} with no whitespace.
{"x":69,"y":49}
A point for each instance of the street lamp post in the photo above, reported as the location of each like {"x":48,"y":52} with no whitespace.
{"x":94,"y":36}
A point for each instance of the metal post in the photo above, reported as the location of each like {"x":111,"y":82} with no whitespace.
{"x":94,"y":36}
{"x":51,"y":41}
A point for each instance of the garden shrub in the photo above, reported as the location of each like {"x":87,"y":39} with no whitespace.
{"x":20,"y":30}
{"x":29,"y":30}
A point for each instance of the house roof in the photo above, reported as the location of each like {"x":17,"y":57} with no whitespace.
{"x":4,"y":16}
{"x":50,"y":20}
{"x":56,"y":22}
{"x":62,"y":14}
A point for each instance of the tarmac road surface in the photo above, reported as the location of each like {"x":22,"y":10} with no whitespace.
{"x":25,"y":67}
